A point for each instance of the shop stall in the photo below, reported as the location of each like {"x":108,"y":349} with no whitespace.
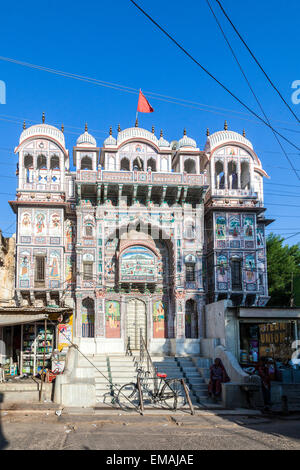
{"x":31,"y":340}
{"x":271,"y":339}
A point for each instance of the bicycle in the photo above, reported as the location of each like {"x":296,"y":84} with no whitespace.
{"x":169,"y":392}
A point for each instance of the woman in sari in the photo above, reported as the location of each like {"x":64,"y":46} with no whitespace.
{"x":218,"y":375}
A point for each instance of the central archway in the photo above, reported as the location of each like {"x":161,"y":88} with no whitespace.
{"x":136,"y":321}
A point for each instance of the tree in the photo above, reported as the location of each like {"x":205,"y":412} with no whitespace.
{"x":283,"y":271}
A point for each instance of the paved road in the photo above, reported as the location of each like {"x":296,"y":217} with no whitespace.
{"x":133,"y":432}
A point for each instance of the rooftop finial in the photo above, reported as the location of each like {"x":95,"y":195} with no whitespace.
{"x":43,"y":117}
{"x":62,"y":128}
{"x":244,"y":133}
{"x":207,"y":132}
{"x":136,"y":122}
{"x":153,"y":129}
{"x":119,"y":128}
{"x":86,"y":127}
{"x":225,"y":126}
{"x":184,"y":131}
{"x":161,"y":133}
{"x":24,"y":125}
{"x":110,"y":130}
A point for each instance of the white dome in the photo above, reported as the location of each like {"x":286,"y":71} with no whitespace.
{"x":86,"y":139}
{"x":224,"y":137}
{"x":110,"y":140}
{"x":43,"y":130}
{"x":186,"y":141}
{"x":163,"y":142}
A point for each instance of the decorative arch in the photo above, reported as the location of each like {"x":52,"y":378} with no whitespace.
{"x":219,"y":174}
{"x":54,"y":162}
{"x":41,"y":162}
{"x":86,"y":163}
{"x":151,"y":163}
{"x":191,"y":319}
{"x":190,"y":166}
{"x":88,"y":318}
{"x":28,"y":165}
{"x":138,"y":164}
{"x":125,"y":164}
{"x":137,"y":263}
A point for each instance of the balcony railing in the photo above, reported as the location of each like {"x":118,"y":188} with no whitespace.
{"x":141,"y":177}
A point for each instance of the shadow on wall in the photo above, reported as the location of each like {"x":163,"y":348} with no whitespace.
{"x":3,"y":441}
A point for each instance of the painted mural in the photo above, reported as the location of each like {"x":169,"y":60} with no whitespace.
{"x":222,"y":268}
{"x":220,"y":227}
{"x":24,"y":265}
{"x":55,"y":224}
{"x":249,"y":227}
{"x":250,"y":268}
{"x":70,"y":276}
{"x":260,"y":236}
{"x":159,"y":320}
{"x":112,"y":319}
{"x":234,"y":226}
{"x":54,"y":265}
{"x":40,"y":223}
{"x":26,"y":223}
{"x":70,"y":232}
{"x":138,"y":264}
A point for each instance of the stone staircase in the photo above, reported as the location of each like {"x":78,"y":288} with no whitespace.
{"x":191,"y":369}
{"x":24,"y":390}
{"x":121,"y":369}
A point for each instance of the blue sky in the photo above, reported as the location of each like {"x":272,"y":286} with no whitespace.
{"x":113,"y":42}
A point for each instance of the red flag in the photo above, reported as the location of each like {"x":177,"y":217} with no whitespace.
{"x":143,"y":104}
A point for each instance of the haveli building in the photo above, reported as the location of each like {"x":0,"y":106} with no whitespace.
{"x":141,"y":235}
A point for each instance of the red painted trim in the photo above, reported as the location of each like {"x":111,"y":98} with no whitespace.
{"x":236,"y":144}
{"x":42,"y":136}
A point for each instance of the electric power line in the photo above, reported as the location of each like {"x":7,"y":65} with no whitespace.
{"x":210,"y":74}
{"x":256,"y":60}
{"x":252,"y":90}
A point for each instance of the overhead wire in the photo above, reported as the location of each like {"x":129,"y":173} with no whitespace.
{"x":251,"y":89}
{"x":257,"y":62}
{"x":188,"y":54}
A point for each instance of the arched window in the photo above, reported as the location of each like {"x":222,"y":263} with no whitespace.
{"x":42,"y":162}
{"x":88,"y":318}
{"x":111,"y":163}
{"x":219,"y":175}
{"x":189,"y":230}
{"x":54,"y":162}
{"x":151,"y":163}
{"x":232,"y":175}
{"x":138,"y":164}
{"x":88,"y":230}
{"x":190,"y":166}
{"x":28,"y":164}
{"x":191,"y":320}
{"x":164,"y":164}
{"x":125,"y":164}
{"x":245,"y":175}
{"x":86,"y":163}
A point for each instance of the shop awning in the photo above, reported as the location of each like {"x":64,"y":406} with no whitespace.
{"x":7,"y":320}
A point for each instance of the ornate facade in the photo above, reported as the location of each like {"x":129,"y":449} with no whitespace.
{"x":141,"y":235}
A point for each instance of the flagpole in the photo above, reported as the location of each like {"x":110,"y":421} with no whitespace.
{"x":137,"y":113}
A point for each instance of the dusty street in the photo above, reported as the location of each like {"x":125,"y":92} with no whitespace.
{"x":205,"y":431}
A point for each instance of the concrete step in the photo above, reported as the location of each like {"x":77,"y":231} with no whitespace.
{"x":202,"y":362}
{"x":204,"y":371}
